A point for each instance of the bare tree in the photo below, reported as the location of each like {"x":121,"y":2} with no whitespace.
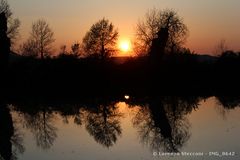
{"x":29,"y":49}
{"x":13,"y":23}
{"x":63,"y":50}
{"x":221,"y":47}
{"x":101,"y":40}
{"x":148,"y":28}
{"x":40,"y":40}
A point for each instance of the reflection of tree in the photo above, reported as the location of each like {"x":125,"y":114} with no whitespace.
{"x":17,"y":141}
{"x":229,"y":102}
{"x":104,"y":125}
{"x":10,"y":137}
{"x":162,"y":124}
{"x":72,"y":112}
{"x":42,"y":127}
{"x":226,"y":103}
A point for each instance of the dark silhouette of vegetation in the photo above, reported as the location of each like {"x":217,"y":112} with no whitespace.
{"x":4,"y":41}
{"x":221,"y":47}
{"x":34,"y":82}
{"x":162,"y":124}
{"x":161,"y":121}
{"x":101,"y":40}
{"x":164,"y":25}
{"x":229,"y":102}
{"x":157,"y":49}
{"x":104,"y":125}
{"x":6,"y":133}
{"x":41,"y":126}
{"x":70,"y":72}
{"x":29,"y":49}
{"x":40,"y":40}
{"x":75,"y":49}
{"x":63,"y":50}
{"x":13,"y":24}
{"x":75,"y":52}
{"x":66,"y":75}
{"x":229,"y":58}
{"x":10,"y":138}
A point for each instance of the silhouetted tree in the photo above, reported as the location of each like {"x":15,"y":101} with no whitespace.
{"x":73,"y":54}
{"x":4,"y":41}
{"x":101,"y":40}
{"x":104,"y":125}
{"x":63,"y":49}
{"x":13,"y":24}
{"x":221,"y":47}
{"x":230,"y":59}
{"x":72,"y":112}
{"x":10,"y":139}
{"x":40,"y":39}
{"x":162,"y":123}
{"x":75,"y":49}
{"x":157,"y":23}
{"x":229,"y":102}
{"x":29,"y":48}
{"x":6,"y":133}
{"x":63,"y":52}
{"x":41,"y":126}
{"x":229,"y":54}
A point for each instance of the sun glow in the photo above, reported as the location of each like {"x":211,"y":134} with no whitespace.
{"x":125,"y":46}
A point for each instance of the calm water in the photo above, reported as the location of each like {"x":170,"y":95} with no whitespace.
{"x":131,"y":129}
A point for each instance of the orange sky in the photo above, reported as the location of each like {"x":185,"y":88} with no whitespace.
{"x":208,"y":21}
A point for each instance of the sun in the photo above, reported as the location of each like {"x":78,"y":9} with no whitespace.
{"x":125,"y":46}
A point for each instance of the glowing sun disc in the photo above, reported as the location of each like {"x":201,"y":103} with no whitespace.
{"x":124,"y":46}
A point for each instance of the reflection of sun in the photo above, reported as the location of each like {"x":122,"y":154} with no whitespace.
{"x":125,"y":46}
{"x":127,"y":97}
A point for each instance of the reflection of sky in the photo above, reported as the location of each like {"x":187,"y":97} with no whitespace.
{"x":219,"y":127}
{"x":208,"y":21}
{"x":210,"y":131}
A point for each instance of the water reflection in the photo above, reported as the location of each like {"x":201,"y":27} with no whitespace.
{"x":72,"y":111}
{"x":162,"y":123}
{"x":10,"y":137}
{"x":42,"y":126}
{"x":103,"y":124}
{"x":229,"y":102}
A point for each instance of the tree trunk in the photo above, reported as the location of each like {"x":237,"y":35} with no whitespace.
{"x":103,"y":52}
{"x":4,"y":42}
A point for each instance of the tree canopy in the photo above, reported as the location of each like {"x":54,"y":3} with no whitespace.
{"x":148,"y":28}
{"x":100,"y":41}
{"x":13,"y":23}
{"x":40,"y":40}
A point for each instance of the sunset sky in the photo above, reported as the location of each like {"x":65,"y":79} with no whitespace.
{"x":209,"y":21}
